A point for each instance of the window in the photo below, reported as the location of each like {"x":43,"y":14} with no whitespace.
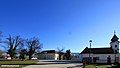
{"x":115,"y":45}
{"x":96,"y":58}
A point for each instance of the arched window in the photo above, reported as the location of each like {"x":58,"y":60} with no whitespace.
{"x":115,"y":45}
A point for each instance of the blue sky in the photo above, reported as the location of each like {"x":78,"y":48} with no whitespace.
{"x":68,"y":24}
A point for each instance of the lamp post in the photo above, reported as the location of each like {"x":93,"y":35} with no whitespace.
{"x":116,"y":52}
{"x":115,"y":55}
{"x":90,"y":52}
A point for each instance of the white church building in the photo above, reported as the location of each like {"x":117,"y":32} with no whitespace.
{"x":105,"y":54}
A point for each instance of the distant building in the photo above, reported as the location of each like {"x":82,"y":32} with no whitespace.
{"x":49,"y":55}
{"x":76,"y":56}
{"x":103,"y":55}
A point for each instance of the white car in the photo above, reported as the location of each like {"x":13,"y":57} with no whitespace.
{"x":34,"y":58}
{"x":9,"y":58}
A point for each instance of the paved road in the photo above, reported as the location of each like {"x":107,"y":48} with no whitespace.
{"x":55,"y":64}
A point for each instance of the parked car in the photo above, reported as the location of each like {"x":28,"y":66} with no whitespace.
{"x":34,"y":58}
{"x":8,"y":57}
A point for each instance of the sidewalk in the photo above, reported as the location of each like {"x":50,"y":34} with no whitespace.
{"x":49,"y":64}
{"x":55,"y":66}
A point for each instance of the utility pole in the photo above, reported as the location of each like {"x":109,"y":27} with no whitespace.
{"x":90,"y":52}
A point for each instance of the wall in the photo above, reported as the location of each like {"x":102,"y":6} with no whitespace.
{"x":102,"y":57}
{"x":56,"y":56}
{"x":77,"y":57}
{"x":113,"y":45}
{"x":48,"y":56}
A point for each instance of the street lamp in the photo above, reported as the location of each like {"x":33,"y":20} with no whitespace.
{"x":90,"y":51}
{"x":90,"y":43}
{"x":115,"y":55}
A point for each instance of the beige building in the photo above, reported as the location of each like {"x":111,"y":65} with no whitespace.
{"x":48,"y":55}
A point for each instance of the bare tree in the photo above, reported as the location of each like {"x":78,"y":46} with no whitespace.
{"x":60,"y":52}
{"x":23,"y":53}
{"x":68,"y":55}
{"x":33,"y":45}
{"x":0,"y":37}
{"x":1,"y":54}
{"x":13,"y":43}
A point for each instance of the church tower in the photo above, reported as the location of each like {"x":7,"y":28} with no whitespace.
{"x":114,"y":44}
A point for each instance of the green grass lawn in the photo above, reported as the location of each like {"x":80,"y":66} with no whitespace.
{"x":99,"y":66}
{"x":21,"y":63}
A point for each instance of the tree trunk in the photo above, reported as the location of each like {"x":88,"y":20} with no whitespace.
{"x":59,"y":56}
{"x":11,"y":56}
{"x":30,"y":56}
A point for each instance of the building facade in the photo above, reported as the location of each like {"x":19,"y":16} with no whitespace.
{"x":105,"y":54}
{"x":50,"y":55}
{"x":76,"y":56}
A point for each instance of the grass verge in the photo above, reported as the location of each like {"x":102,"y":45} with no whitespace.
{"x":100,"y":66}
{"x":20,"y":63}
